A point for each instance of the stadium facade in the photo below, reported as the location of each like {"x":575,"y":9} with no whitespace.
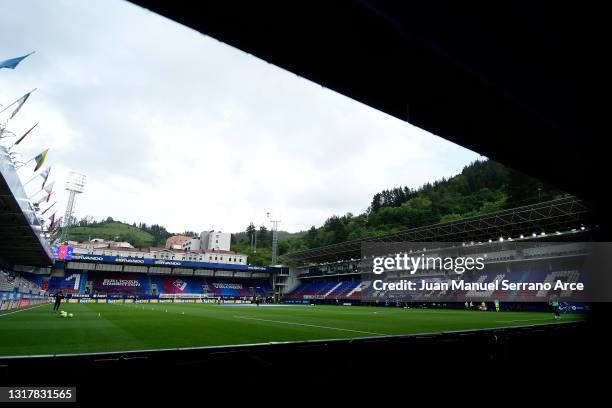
{"x":126,"y":250}
{"x":104,"y":278}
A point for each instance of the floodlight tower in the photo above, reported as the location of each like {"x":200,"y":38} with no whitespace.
{"x":274,"y":237}
{"x":75,"y":185}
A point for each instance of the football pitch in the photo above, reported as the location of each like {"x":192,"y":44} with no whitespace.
{"x":122,"y":327}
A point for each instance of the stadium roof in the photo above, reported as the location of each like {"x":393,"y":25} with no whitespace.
{"x":558,"y":215}
{"x":21,"y":238}
{"x":509,"y":81}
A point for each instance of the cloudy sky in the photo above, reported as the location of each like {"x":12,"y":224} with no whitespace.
{"x":174,"y":127}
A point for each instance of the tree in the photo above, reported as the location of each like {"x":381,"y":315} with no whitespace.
{"x":264,"y":237}
{"x":310,"y":237}
{"x":376,"y":202}
{"x":251,"y":231}
{"x":336,"y":227}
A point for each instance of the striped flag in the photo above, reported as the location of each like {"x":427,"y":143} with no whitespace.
{"x":45,"y":175}
{"x":20,"y":103}
{"x":40,"y":160}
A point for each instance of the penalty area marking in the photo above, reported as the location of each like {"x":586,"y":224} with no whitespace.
{"x":23,"y":310}
{"x":309,"y":325}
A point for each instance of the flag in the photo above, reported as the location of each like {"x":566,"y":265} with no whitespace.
{"x":20,"y":103}
{"x":45,"y":175}
{"x":49,"y":190}
{"x":55,"y":227}
{"x":49,"y":187}
{"x":40,"y":160}
{"x":25,"y":134}
{"x":13,"y":62}
{"x":48,"y":208}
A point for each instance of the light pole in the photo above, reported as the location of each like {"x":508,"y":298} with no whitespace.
{"x":75,"y":185}
{"x":274,"y":237}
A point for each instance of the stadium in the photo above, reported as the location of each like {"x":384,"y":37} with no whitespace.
{"x":148,"y":293}
{"x":104,"y":311}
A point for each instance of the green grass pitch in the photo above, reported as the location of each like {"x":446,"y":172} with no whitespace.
{"x":108,"y":327}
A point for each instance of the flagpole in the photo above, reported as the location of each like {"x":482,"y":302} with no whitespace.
{"x":6,"y":107}
{"x":35,"y":194}
{"x":48,"y":208}
{"x":22,"y":137}
{"x":26,"y":163}
{"x":42,"y":189}
{"x":39,"y":175}
{"x":32,"y":179}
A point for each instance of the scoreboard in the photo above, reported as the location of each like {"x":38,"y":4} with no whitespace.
{"x":63,"y":252}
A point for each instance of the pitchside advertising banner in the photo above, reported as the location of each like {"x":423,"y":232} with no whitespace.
{"x":10,"y":301}
{"x":502,"y":271}
{"x":6,"y":305}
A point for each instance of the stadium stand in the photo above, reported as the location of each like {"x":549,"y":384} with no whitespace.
{"x":21,"y":289}
{"x":224,"y":287}
{"x":110,"y":283}
{"x":71,"y":283}
{"x":359,"y":290}
{"x":84,"y":283}
{"x":238,"y":288}
{"x":325,"y":290}
{"x":22,"y":282}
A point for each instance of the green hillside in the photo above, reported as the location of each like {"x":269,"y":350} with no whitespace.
{"x":116,"y":231}
{"x":483,"y":186}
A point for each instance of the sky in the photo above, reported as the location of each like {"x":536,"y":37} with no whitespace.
{"x":173,"y":127}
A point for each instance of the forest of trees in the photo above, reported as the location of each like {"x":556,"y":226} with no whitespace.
{"x":482,"y":187}
{"x":159,"y":233}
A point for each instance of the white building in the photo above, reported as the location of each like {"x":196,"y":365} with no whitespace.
{"x":96,"y":243}
{"x":108,"y":249}
{"x":193,"y":244}
{"x":218,"y":241}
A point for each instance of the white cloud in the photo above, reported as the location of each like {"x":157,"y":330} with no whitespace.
{"x":176,"y":128}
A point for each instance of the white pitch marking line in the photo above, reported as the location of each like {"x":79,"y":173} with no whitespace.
{"x":523,"y":320}
{"x":309,"y":325}
{"x":23,"y":310}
